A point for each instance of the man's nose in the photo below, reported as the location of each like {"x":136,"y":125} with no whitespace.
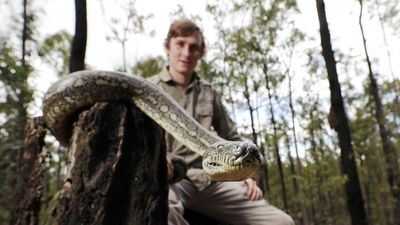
{"x":186,"y":50}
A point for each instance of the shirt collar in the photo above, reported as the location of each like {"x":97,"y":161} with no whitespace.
{"x":166,"y":77}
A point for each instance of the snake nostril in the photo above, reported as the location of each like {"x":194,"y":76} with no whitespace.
{"x":243,"y":146}
{"x":241,"y":149}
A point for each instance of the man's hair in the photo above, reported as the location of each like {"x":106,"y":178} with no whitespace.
{"x":184,"y":28}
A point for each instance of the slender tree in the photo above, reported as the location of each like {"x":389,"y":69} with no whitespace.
{"x":24,"y":30}
{"x":355,"y":201}
{"x":392,"y":11}
{"x":14,"y":78}
{"x":275,"y":139}
{"x":220,"y":14}
{"x":78,"y":50}
{"x":298,"y":185}
{"x":18,"y":95}
{"x":389,"y":150}
{"x":123,"y":27}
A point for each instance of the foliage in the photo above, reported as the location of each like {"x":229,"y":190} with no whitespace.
{"x":14,"y":100}
{"x":148,"y":66}
{"x":55,"y":51}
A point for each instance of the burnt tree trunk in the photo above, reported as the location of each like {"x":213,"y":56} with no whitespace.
{"x":355,"y":201}
{"x":118,"y":169}
{"x":31,"y":171}
{"x":78,"y":50}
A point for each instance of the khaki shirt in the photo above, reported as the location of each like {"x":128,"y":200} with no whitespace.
{"x":203,"y":103}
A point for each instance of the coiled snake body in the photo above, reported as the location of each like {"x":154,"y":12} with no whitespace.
{"x":222,"y":160}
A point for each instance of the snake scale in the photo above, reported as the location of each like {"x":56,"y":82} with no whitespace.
{"x":222,"y":160}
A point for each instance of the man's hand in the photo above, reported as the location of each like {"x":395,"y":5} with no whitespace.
{"x":253,"y":191}
{"x":176,"y":167}
{"x":170,"y":168}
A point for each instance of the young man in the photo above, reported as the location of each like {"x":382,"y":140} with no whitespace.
{"x":229,"y":202}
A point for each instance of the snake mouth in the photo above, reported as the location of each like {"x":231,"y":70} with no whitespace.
{"x":231,"y":162}
{"x":227,"y":172}
{"x":239,"y":162}
{"x":214,"y":164}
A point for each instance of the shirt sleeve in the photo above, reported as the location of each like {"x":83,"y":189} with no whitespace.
{"x":222,"y":123}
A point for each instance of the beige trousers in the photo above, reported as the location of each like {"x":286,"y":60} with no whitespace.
{"x":226,"y":202}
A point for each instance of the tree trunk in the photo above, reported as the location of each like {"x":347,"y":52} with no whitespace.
{"x":263,"y":179}
{"x":293,"y":173}
{"x":24,"y":31}
{"x":31,"y":170}
{"x":120,"y":177}
{"x":318,"y":177}
{"x":355,"y":201}
{"x":389,"y":149}
{"x":246,"y":95}
{"x":78,"y":50}
{"x":18,"y":207}
{"x":275,"y":141}
{"x":305,"y":218}
{"x":390,"y":64}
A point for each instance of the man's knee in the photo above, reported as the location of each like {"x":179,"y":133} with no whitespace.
{"x":274,"y":216}
{"x":283,"y":219}
{"x":175,"y":214}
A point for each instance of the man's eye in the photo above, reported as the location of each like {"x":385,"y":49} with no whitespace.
{"x":194,"y":48}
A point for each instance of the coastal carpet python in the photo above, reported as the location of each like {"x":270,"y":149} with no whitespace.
{"x":222,"y":160}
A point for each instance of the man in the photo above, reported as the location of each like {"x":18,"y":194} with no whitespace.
{"x":229,"y":202}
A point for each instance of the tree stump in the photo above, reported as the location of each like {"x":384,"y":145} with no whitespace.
{"x":31,"y":171}
{"x":118,"y":171}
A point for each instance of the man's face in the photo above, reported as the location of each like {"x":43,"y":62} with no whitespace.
{"x":184,"y":52}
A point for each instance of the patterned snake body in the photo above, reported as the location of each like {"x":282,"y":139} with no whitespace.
{"x":222,"y":160}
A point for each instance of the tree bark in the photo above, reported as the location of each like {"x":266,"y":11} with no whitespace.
{"x":355,"y":201}
{"x":78,"y":49}
{"x":31,"y":171}
{"x":118,"y":169}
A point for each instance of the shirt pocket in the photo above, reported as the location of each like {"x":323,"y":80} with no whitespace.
{"x":204,"y":108}
{"x":204,"y":113}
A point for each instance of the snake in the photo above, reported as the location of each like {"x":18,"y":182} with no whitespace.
{"x":222,"y":160}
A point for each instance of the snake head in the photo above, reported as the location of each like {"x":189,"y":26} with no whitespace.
{"x":231,"y":160}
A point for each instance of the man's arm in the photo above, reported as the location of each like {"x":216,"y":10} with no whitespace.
{"x":222,"y":123}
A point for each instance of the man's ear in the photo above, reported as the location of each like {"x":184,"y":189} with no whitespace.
{"x":166,"y":49}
